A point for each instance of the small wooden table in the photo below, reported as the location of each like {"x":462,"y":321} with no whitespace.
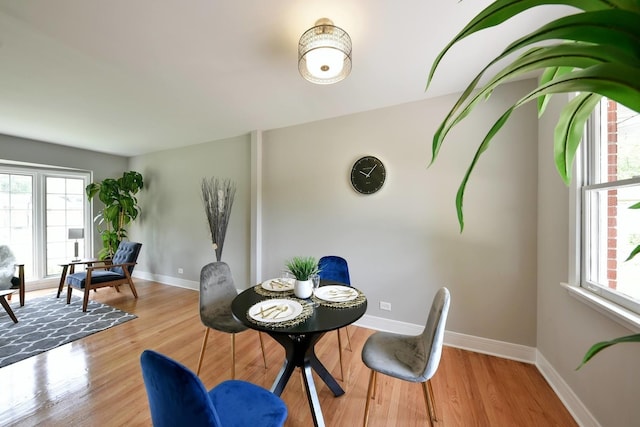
{"x":6,"y":305}
{"x":70,"y":268}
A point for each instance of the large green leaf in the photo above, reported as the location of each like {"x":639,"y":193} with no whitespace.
{"x":503,"y":10}
{"x":598,"y":347}
{"x":569,"y":130}
{"x":547,"y":75}
{"x":614,"y":81}
{"x":565,"y":55}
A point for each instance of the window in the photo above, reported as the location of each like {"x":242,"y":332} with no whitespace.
{"x":37,"y":208}
{"x":611,"y":185}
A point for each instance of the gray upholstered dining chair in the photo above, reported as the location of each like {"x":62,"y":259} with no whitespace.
{"x":409,"y":358}
{"x":217,"y":291}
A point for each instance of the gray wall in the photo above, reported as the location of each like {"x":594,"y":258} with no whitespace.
{"x":609,"y":385}
{"x":30,"y":151}
{"x":173,"y":225}
{"x":403,"y":242}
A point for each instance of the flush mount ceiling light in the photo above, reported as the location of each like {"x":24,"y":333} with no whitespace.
{"x":324,"y":53}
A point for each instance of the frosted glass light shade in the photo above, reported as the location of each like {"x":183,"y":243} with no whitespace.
{"x":324,"y":53}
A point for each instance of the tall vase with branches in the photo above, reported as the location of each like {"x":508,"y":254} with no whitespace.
{"x":217,"y":197}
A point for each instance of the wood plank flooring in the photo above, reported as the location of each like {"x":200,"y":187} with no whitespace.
{"x":96,"y":381}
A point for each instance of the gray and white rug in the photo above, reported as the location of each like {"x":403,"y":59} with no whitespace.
{"x":47,"y":322}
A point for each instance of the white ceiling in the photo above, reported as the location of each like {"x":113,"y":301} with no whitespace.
{"x":131,"y":77}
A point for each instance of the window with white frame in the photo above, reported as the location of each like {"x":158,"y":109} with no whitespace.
{"x":37,"y":209}
{"x":610,"y":186}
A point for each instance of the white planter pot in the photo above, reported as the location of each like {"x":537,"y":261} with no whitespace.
{"x":303,"y":288}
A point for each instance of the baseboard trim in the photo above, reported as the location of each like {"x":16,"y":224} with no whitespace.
{"x":488,"y":346}
{"x":574,"y":405}
{"x":167,"y":280}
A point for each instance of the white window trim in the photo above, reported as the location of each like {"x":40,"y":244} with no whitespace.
{"x":617,"y":313}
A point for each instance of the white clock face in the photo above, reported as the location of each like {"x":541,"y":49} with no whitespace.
{"x":368,"y":175}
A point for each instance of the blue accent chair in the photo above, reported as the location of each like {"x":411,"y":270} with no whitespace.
{"x":336,"y":269}
{"x":113,"y":273}
{"x":177,"y":397}
{"x":408,"y":357}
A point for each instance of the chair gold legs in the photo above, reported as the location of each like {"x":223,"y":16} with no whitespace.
{"x":264,"y":356}
{"x":233,"y":352}
{"x":428,"y":398}
{"x":346,"y":328}
{"x":340,"y":355}
{"x":204,"y":346}
{"x":370,"y":395}
{"x":233,"y":356}
{"x":431,"y":403}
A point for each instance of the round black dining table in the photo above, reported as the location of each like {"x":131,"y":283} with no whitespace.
{"x":299,"y":343}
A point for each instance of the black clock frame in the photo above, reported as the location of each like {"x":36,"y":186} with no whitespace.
{"x":368,"y":175}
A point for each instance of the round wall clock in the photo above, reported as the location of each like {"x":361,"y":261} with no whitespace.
{"x":367,"y":175}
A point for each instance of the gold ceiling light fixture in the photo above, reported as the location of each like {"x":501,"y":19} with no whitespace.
{"x":324,"y":53}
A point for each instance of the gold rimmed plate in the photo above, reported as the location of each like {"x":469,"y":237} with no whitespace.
{"x":275,"y":310}
{"x":336,"y":293}
{"x":277,"y":285}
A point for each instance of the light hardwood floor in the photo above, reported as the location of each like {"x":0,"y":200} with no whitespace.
{"x":96,"y":381}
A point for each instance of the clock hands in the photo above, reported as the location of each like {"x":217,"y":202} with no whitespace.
{"x":369,"y":174}
{"x":364,"y":174}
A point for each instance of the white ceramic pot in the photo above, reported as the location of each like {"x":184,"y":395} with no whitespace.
{"x":303,"y":288}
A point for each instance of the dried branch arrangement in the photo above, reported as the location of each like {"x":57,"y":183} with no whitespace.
{"x":217,"y":196}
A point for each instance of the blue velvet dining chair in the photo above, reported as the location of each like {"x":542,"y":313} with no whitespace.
{"x":335,"y":268}
{"x":177,"y":397}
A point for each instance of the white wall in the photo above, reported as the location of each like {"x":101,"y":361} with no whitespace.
{"x":609,"y":385}
{"x":403,"y":242}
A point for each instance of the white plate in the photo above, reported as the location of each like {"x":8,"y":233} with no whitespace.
{"x":277,"y":285}
{"x":336,"y":293}
{"x":275,"y":310}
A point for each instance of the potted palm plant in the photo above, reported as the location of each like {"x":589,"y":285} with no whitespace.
{"x":598,"y":55}
{"x":302,"y":268}
{"x":120,"y":208}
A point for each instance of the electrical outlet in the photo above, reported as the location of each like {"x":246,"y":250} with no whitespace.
{"x":385,"y":305}
{"x":180,"y":271}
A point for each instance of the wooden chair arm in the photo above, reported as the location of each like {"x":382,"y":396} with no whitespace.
{"x":107,"y":266}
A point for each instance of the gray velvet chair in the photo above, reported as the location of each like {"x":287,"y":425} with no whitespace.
{"x":409,"y":358}
{"x":217,"y":291}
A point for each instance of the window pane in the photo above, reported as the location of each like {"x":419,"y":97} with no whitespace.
{"x":619,"y":143}
{"x":16,"y":217}
{"x":65,"y":209}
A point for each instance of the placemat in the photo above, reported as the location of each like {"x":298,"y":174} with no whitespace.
{"x":266,"y":293}
{"x":360,"y":299}
{"x":307,"y":311}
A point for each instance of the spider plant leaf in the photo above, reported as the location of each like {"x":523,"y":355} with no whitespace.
{"x":614,"y":81}
{"x":564,"y":55}
{"x":569,"y":130}
{"x":633,"y":253}
{"x":547,"y":75}
{"x":598,"y":347}
{"x":481,"y":149}
{"x":502,"y":10}
{"x":614,"y":27}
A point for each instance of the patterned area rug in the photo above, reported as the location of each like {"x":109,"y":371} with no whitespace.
{"x":48,"y":322}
